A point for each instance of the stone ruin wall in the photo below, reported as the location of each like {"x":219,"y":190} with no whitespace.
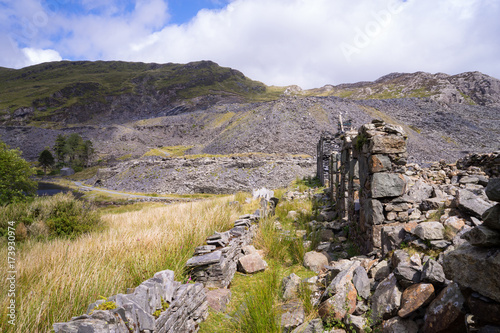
{"x":213,"y":266}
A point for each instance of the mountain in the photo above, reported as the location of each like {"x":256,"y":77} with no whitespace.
{"x":134,"y":109}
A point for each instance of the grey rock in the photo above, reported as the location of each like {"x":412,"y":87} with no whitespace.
{"x":206,"y":259}
{"x":314,"y":326}
{"x":471,"y":204}
{"x":218,"y":299}
{"x":386,"y":299}
{"x":468,"y":180}
{"x":419,"y":192}
{"x":204,"y":249}
{"x":293,"y":316}
{"x":475,"y":268}
{"x":290,"y":286}
{"x":380,"y":271}
{"x":356,"y":323}
{"x":387,"y":185}
{"x":491,"y":217}
{"x":440,"y":244}
{"x":340,"y":280}
{"x":482,"y":236}
{"x":429,"y":231}
{"x":361,"y":282}
{"x":374,"y":212}
{"x":315,"y":261}
{"x":399,"y":325}
{"x":432,"y":272}
{"x":392,"y":237}
{"x":407,"y":274}
{"x":399,"y":257}
{"x":251,"y":263}
{"x":493,"y":189}
{"x":432,"y":203}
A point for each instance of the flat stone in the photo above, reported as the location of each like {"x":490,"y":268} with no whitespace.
{"x":399,"y":325}
{"x":248,"y":249}
{"x":386,"y":299}
{"x":361,"y":282}
{"x":493,"y":189}
{"x":491,"y":218}
{"x":407,"y":274}
{"x":468,"y":180}
{"x":387,"y":185}
{"x":204,"y":249}
{"x":475,"y":268}
{"x":415,"y":297}
{"x":218,"y":299}
{"x":470,"y":203}
{"x":315,"y":261}
{"x":206,"y":259}
{"x":432,"y":204}
{"x":387,"y":144}
{"x":251,"y":263}
{"x":379,"y":163}
{"x":340,"y":304}
{"x":429,"y":231}
{"x":446,"y":313}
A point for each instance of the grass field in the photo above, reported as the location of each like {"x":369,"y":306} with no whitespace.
{"x":58,"y":279}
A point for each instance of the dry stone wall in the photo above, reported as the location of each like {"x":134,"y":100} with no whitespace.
{"x":180,"y":307}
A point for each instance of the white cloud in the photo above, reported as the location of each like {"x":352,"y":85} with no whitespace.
{"x":37,"y":56}
{"x":284,"y":42}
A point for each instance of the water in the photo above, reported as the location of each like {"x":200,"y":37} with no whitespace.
{"x":50,"y":189}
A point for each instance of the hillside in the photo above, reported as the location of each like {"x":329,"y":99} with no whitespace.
{"x":133,"y":109}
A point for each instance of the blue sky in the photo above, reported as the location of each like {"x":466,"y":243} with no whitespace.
{"x":309,"y":43}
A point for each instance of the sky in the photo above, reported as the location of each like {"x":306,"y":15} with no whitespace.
{"x":309,"y":43}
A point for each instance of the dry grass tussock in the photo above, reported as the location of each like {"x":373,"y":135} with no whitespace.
{"x":57,"y":279}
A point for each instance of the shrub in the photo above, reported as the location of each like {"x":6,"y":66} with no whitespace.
{"x":59,"y":215}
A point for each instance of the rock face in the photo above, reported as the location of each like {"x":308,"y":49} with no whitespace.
{"x":475,"y":268}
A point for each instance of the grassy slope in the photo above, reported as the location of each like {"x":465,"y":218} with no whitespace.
{"x":54,"y":86}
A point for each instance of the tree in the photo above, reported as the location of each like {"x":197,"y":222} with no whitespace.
{"x":15,"y":173}
{"x":46,"y":160}
{"x":86,"y":152}
{"x":60,"y":148}
{"x":73,"y":142}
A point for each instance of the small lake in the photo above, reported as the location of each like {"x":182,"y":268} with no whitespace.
{"x":50,"y":189}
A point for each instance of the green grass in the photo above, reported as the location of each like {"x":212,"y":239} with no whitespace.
{"x":52,"y":87}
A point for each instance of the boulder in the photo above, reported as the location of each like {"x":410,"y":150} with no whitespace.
{"x":251,"y":263}
{"x":491,"y":217}
{"x":315,"y":261}
{"x":341,"y":279}
{"x":386,"y":299}
{"x":407,"y":274}
{"x":399,"y":325}
{"x":471,"y":204}
{"x":493,"y":189}
{"x":380,"y":271}
{"x":415,"y":297}
{"x":446,"y":313}
{"x":340,"y":304}
{"x":484,"y":308}
{"x":399,"y":257}
{"x":385,"y":185}
{"x":429,"y":231}
{"x":392,"y":237}
{"x":432,"y":272}
{"x":419,"y":192}
{"x":454,"y":224}
{"x":483,"y":236}
{"x":67,"y":171}
{"x":387,"y":144}
{"x":361,"y":282}
{"x":475,"y":268}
